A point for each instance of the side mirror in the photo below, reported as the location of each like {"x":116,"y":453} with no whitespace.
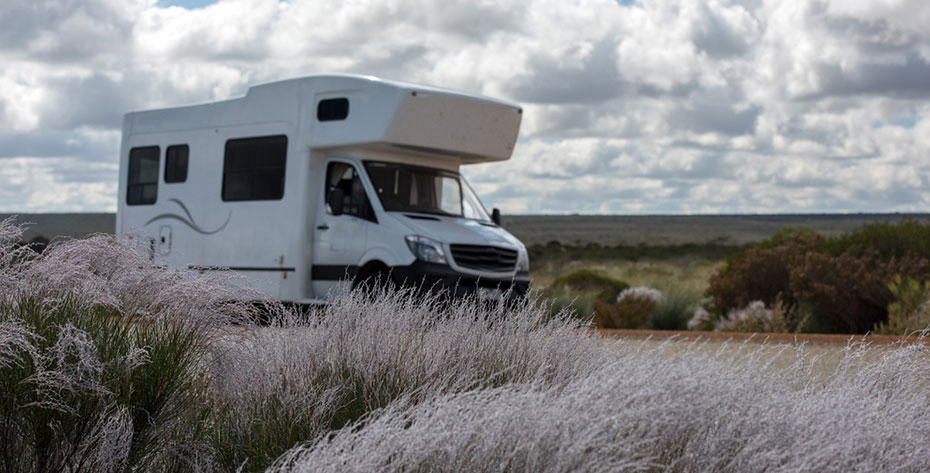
{"x":496,"y":216}
{"x":335,"y":199}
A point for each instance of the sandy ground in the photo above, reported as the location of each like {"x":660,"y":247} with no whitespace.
{"x":821,"y":353}
{"x":772,"y":338}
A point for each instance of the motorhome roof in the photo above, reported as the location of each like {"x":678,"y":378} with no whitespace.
{"x":384,"y":114}
{"x":361,"y":79}
{"x":348,"y":80}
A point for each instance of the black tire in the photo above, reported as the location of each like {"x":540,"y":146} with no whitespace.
{"x":374,"y":280}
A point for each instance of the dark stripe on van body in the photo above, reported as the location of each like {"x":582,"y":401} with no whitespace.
{"x":334,"y":272}
{"x":241,"y":268}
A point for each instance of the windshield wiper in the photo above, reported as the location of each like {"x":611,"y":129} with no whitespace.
{"x":433,"y":212}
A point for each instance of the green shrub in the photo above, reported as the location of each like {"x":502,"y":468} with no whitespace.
{"x":887,"y":240}
{"x":839,"y":284}
{"x":673,"y":310}
{"x":644,"y":307}
{"x":761,"y":273}
{"x":581,"y":292}
{"x":587,"y":280}
{"x":756,"y":318}
{"x":629,"y":313}
{"x":83,"y":389}
{"x":582,"y":306}
{"x":849,"y":293}
{"x":702,"y":320}
{"x":909,"y":312}
{"x":810,"y":321}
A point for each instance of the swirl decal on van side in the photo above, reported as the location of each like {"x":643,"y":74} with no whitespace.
{"x":189,"y":221}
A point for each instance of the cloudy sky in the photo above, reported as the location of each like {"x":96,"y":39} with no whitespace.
{"x":632,"y":107}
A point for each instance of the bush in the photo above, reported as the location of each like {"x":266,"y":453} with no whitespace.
{"x":762,"y":272}
{"x":849,"y":293}
{"x":840,"y":283}
{"x":756,"y":318}
{"x":583,"y":293}
{"x":645,"y":307}
{"x":85,"y":390}
{"x":629,"y":313}
{"x":909,"y":312}
{"x":701,"y":320}
{"x":887,"y":240}
{"x":673,"y":311}
{"x":581,"y":306}
{"x":587,"y":280}
{"x":102,"y":358}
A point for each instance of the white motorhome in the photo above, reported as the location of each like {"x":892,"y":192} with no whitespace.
{"x":305,"y":182}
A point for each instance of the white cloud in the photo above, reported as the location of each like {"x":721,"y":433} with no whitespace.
{"x":898,"y":19}
{"x":661,"y":106}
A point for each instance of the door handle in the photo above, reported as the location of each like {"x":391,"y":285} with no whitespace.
{"x":322,"y":227}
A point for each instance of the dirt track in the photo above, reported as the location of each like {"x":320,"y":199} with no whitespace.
{"x":832,"y":339}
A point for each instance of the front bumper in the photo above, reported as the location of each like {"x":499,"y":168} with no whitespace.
{"x":440,"y":278}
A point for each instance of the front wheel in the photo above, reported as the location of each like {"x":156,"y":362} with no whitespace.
{"x":374,"y":280}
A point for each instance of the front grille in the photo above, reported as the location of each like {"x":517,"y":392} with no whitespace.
{"x":484,"y":258}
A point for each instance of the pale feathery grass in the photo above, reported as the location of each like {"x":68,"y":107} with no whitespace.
{"x":658,"y":409}
{"x":365,"y":352}
{"x":394,"y":381}
{"x":103,"y":357}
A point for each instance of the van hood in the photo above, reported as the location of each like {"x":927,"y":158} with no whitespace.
{"x":457,"y":230}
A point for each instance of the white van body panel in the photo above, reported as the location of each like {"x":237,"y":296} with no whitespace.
{"x":291,"y":247}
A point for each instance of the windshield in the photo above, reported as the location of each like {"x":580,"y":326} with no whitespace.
{"x":405,"y":188}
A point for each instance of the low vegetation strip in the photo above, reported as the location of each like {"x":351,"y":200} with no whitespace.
{"x":651,"y":230}
{"x":875,"y":279}
{"x":825,"y":338}
{"x":397,"y":382}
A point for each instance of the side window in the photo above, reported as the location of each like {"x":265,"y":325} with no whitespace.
{"x":355,"y":202}
{"x":253,"y":168}
{"x":332,"y":109}
{"x":142,"y":188}
{"x":176,"y":163}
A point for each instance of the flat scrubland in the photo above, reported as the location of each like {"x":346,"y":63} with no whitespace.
{"x":578,"y":230}
{"x":731,"y":266}
{"x":661,"y":230}
{"x":873,"y":278}
{"x":71,"y":225}
{"x":110,"y":362}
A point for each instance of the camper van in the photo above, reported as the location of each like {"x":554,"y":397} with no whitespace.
{"x":304,"y":183}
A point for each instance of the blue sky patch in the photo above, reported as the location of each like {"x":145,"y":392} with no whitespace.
{"x":903,"y":122}
{"x":189,"y":4}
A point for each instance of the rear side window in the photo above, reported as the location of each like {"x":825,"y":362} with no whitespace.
{"x":142,"y":188}
{"x":176,"y":163}
{"x":253,"y":168}
{"x":332,"y":109}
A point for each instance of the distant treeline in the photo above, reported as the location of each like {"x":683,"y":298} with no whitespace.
{"x":671,"y":230}
{"x":715,"y":250}
{"x":628,"y":231}
{"x":72,"y":225}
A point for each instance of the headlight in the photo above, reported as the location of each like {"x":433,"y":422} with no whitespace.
{"x":523,"y":261}
{"x":426,"y":249}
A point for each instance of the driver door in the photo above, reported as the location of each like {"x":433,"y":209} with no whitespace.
{"x":339,"y":239}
